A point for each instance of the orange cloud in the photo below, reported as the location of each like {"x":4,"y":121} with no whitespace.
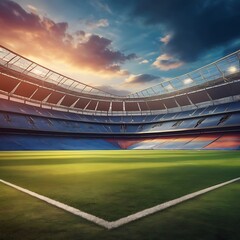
{"x":36,"y":36}
{"x":167,"y":62}
{"x":166,"y":39}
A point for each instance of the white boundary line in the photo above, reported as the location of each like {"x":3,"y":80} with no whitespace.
{"x":124,"y":220}
{"x":63,"y":206}
{"x":165,"y":205}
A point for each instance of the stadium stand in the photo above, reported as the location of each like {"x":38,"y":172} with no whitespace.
{"x":42,"y":109}
{"x":36,"y":142}
{"x":226,"y":142}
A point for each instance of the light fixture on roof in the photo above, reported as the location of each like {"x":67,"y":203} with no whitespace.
{"x":232,"y":69}
{"x":187,"y":81}
{"x":168,"y":87}
{"x":37,"y":71}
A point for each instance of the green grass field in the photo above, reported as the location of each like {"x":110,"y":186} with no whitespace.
{"x":114,"y":184}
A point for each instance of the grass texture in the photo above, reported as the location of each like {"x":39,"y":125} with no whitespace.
{"x":114,"y":184}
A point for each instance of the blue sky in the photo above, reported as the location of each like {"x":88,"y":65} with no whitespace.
{"x":131,"y":45}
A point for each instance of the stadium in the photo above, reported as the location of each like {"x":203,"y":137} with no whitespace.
{"x":119,"y":120}
{"x":44,"y":110}
{"x":198,"y":110}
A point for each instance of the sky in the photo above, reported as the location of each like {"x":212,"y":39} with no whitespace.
{"x":121,"y":46}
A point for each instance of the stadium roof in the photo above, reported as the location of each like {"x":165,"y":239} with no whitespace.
{"x":32,"y":83}
{"x":221,"y":68}
{"x":19,"y":63}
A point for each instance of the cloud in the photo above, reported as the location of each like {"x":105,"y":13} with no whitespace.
{"x":101,"y":23}
{"x":101,"y":6}
{"x":232,"y":48}
{"x":97,"y":53}
{"x":196,"y":27}
{"x":166,"y":62}
{"x":145,"y":61}
{"x":114,"y":91}
{"x":32,"y":8}
{"x":166,"y":39}
{"x":141,"y":79}
{"x":40,"y":37}
{"x":97,"y":24}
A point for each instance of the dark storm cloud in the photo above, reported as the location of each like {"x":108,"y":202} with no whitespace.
{"x":195,"y":26}
{"x":141,"y":78}
{"x":232,"y":48}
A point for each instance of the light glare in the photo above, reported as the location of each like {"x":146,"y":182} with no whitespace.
{"x":187,"y":81}
{"x":169,"y":87}
{"x":232,"y":69}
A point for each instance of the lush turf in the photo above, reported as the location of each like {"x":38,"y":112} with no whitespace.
{"x":113,"y":184}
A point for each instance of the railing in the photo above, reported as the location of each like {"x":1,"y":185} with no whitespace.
{"x":18,"y":63}
{"x":222,"y":68}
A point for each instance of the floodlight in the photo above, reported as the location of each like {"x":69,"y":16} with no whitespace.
{"x":187,"y":81}
{"x":168,"y":87}
{"x":232,"y":69}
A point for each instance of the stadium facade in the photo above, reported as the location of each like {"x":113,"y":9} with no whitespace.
{"x":42,"y":109}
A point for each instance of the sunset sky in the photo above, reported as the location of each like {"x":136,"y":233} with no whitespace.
{"x":121,"y":46}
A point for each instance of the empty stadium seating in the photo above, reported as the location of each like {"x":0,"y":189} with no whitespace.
{"x":16,"y":107}
{"x":226,"y":142}
{"x":19,"y":116}
{"x":204,"y":141}
{"x":43,"y":113}
{"x":36,"y":142}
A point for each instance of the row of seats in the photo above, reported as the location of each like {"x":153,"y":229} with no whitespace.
{"x":205,"y":141}
{"x":36,"y":142}
{"x":26,"y":122}
{"x":15,"y":107}
{"x":227,"y":141}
